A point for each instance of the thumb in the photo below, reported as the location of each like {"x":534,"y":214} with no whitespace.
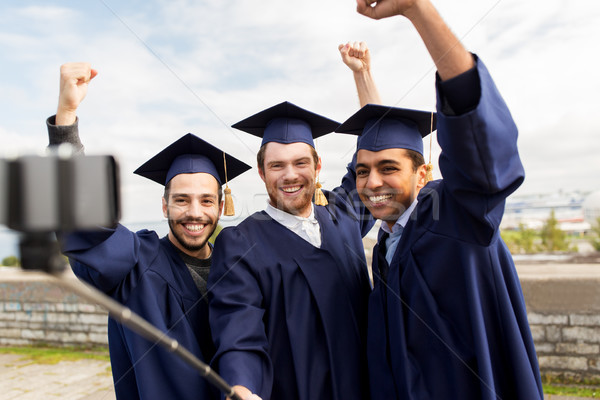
{"x":344,"y":48}
{"x":362,"y":7}
{"x":93,"y":73}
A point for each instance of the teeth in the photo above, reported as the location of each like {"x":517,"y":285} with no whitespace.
{"x":194,"y":228}
{"x":291,"y":189}
{"x":380,"y":198}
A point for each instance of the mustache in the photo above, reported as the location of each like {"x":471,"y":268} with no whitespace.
{"x":204,"y":221}
{"x":376,"y":192}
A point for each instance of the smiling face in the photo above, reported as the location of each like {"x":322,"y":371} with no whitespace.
{"x":387,"y":182}
{"x":289,"y":173}
{"x":192,"y":208}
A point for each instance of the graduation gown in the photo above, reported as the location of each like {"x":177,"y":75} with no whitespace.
{"x":147,"y":274}
{"x":450,"y":322}
{"x":289,"y":319}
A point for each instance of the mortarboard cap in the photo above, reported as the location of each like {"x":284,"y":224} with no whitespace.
{"x":287,"y":123}
{"x":382,"y":127}
{"x":189,"y":155}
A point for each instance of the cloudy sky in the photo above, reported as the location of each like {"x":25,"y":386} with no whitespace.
{"x":168,"y":67}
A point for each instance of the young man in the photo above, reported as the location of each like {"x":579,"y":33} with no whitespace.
{"x":290,"y":284}
{"x":162,"y":280}
{"x":447,"y":317}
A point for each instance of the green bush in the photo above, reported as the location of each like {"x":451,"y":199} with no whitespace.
{"x":11,"y":261}
{"x":522,"y":241}
{"x":215,"y":234}
{"x":553,"y":238}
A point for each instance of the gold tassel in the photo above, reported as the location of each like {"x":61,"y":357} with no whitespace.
{"x":429,"y":174}
{"x":229,"y":208}
{"x":320,"y":199}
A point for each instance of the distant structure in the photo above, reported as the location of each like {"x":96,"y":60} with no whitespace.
{"x":591,"y":207}
{"x":575,"y":211}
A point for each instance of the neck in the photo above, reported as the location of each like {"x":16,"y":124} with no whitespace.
{"x":304,"y":213}
{"x":391,"y":224}
{"x":202,"y":253}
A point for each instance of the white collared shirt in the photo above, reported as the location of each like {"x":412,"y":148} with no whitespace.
{"x":307,"y":228}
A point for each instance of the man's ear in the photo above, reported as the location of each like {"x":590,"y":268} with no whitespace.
{"x":261,"y":173}
{"x":164,"y":207}
{"x":421,"y":176}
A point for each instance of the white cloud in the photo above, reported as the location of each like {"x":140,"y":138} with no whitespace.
{"x":44,"y":13}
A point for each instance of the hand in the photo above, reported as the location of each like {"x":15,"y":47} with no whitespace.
{"x":356,"y":56}
{"x":384,"y":8}
{"x":244,"y":393}
{"x":74,"y":80}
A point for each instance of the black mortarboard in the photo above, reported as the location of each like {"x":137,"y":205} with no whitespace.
{"x":188,"y":155}
{"x":382,"y":127}
{"x":287,"y":123}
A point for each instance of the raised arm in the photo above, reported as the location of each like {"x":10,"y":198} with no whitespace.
{"x":448,"y":54}
{"x":479,"y":160}
{"x":63,"y":127}
{"x":358,"y":58}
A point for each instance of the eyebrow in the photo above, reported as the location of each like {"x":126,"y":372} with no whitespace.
{"x":379,"y":163}
{"x":391,"y":161}
{"x":293,"y":161}
{"x":189,"y":195}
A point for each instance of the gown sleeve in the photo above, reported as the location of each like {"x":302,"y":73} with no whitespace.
{"x":236,"y":314}
{"x":105,"y":258}
{"x":479,"y":161}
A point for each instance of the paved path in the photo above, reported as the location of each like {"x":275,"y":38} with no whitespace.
{"x":68,"y":380}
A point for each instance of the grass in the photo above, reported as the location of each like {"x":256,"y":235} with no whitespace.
{"x":575,"y":391}
{"x":568,"y":386}
{"x":53,"y":355}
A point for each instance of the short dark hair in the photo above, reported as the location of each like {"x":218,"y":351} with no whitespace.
{"x":168,"y":189}
{"x":260,"y":156}
{"x":416,"y":158}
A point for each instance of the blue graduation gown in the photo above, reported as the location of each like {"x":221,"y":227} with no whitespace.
{"x":289,"y":319}
{"x":147,"y":274}
{"x":451,"y":323}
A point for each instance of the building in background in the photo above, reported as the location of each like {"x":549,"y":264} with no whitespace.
{"x":575,"y":211}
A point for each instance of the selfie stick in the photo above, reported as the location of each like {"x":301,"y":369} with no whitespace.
{"x":34,"y":246}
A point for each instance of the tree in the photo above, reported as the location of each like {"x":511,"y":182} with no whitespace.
{"x":553,"y":238}
{"x":11,"y":261}
{"x":595,"y":235}
{"x":523,"y":240}
{"x":526,"y":240}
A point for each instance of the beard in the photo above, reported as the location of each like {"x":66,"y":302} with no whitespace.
{"x":296,"y":206}
{"x":182,"y":240}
